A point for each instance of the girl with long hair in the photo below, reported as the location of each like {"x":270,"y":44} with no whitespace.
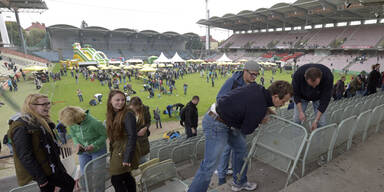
{"x":36,"y":152}
{"x":143,"y":121}
{"x":121,"y":131}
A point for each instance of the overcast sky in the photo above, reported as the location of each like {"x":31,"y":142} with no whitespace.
{"x":159,"y":15}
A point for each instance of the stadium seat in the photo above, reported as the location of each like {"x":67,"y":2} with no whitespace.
{"x":362,"y":123}
{"x":161,"y":177}
{"x":279,"y":146}
{"x":341,"y":135}
{"x":199,"y":149}
{"x":318,"y":144}
{"x":182,"y":153}
{"x":165,"y":152}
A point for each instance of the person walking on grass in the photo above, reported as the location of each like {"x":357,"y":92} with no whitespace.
{"x":185,"y":88}
{"x":156,"y":116}
{"x":80,"y":95}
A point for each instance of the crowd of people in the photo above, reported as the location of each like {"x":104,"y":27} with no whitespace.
{"x":241,"y":106}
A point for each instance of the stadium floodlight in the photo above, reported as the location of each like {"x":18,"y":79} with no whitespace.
{"x":347,"y":4}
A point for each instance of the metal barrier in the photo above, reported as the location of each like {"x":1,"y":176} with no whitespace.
{"x":342,"y":134}
{"x":278,"y":146}
{"x":318,"y":144}
{"x":96,"y":174}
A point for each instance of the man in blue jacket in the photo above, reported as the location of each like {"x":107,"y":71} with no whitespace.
{"x":238,"y":113}
{"x":312,"y":82}
{"x":238,"y":79}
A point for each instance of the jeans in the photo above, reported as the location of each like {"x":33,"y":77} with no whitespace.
{"x":86,"y":157}
{"x":59,"y":179}
{"x":222,"y":169}
{"x":218,"y":136}
{"x":124,"y":182}
{"x":304,"y":105}
{"x":10,"y":148}
{"x":81,"y":98}
{"x":158,"y":123}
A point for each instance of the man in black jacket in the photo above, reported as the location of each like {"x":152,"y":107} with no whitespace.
{"x":339,"y":88}
{"x":373,"y":79}
{"x":191,"y":117}
{"x":312,"y":82}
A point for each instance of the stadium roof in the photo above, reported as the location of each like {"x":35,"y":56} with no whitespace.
{"x":299,"y":13}
{"x":128,"y":32}
{"x":23,"y":5}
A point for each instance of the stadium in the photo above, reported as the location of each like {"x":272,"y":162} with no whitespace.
{"x":116,"y":43}
{"x":347,"y":36}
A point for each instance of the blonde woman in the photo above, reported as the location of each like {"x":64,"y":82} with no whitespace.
{"x":36,"y":153}
{"x":88,"y":134}
{"x":121,"y":129}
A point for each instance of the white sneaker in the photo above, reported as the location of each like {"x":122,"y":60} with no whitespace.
{"x":216,"y":172}
{"x":247,"y":186}
{"x":229,"y":172}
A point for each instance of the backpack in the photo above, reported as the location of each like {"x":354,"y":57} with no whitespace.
{"x":182,"y":115}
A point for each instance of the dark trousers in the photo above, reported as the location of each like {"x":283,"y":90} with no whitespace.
{"x":158,"y":122}
{"x":124,"y":182}
{"x":59,"y":179}
{"x":188,"y":132}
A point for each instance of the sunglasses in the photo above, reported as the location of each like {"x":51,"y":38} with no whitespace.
{"x":253,"y":74}
{"x":43,"y":104}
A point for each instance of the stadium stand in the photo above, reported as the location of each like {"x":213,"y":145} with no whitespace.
{"x":117,"y":43}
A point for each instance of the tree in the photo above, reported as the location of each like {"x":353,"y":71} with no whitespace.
{"x":34,"y":37}
{"x":194,"y":43}
{"x":13,"y":33}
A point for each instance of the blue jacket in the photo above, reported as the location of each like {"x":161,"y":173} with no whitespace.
{"x":244,"y":108}
{"x":235,"y":81}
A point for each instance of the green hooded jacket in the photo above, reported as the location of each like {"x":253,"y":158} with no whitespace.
{"x":90,"y":132}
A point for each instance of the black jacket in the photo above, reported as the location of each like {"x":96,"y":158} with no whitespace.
{"x":130,"y":128}
{"x":244,"y":107}
{"x":191,"y":115}
{"x":339,"y":88}
{"x":322,"y":92}
{"x":373,"y":80}
{"x":23,"y":144}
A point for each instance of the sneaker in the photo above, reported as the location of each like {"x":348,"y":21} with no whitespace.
{"x":247,"y":186}
{"x":216,"y":172}
{"x":229,"y":172}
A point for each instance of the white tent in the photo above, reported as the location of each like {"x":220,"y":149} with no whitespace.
{"x":162,"y":59}
{"x":177,"y":59}
{"x":224,"y":58}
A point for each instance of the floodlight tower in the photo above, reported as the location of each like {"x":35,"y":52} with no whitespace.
{"x":207,"y":35}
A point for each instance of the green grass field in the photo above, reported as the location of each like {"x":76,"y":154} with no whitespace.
{"x":63,"y":93}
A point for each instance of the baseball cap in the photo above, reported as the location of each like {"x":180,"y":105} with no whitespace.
{"x":252,"y":66}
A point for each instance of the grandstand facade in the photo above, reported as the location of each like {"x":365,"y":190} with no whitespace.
{"x":344,"y":35}
{"x":116,"y":43}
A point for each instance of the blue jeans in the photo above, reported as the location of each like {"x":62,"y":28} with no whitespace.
{"x":218,"y":136}
{"x":86,"y":157}
{"x":304,"y":105}
{"x":222,"y":169}
{"x":10,"y":148}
